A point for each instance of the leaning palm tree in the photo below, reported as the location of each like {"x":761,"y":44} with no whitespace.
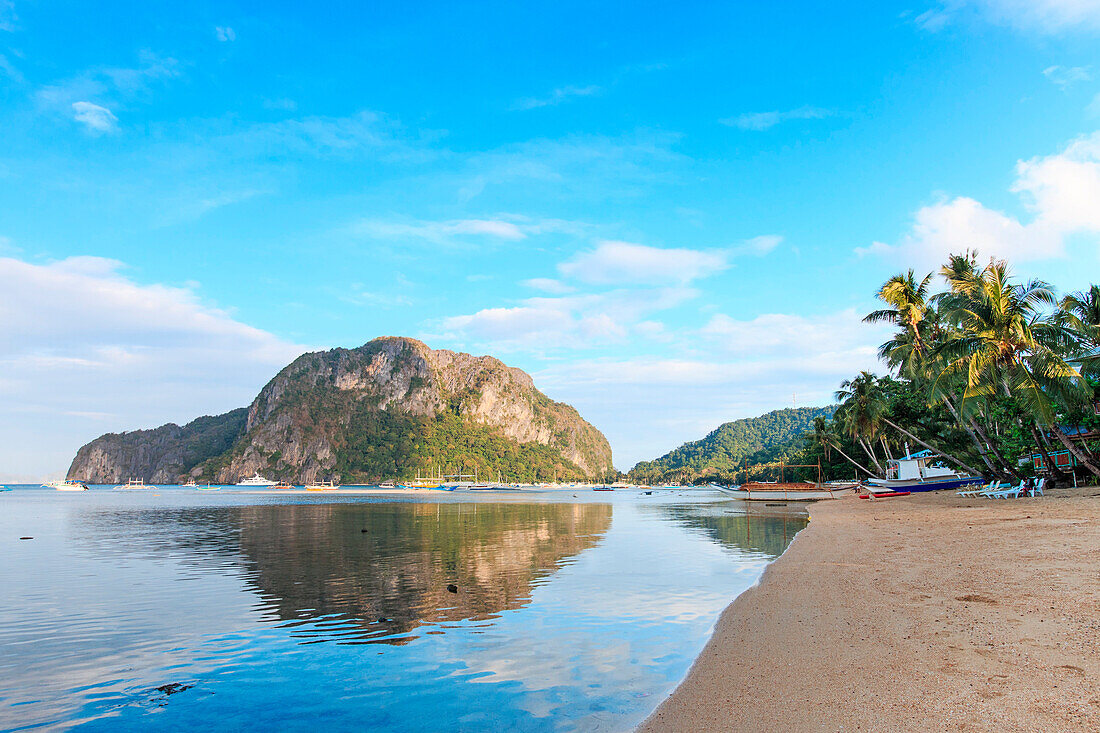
{"x":861,"y":411}
{"x":1006,"y":344}
{"x":824,"y":436}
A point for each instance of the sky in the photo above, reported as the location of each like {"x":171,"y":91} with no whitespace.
{"x":672,"y":216}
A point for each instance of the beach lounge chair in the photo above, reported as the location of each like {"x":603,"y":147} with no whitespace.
{"x":967,"y":493}
{"x":1011,"y":492}
{"x":1037,"y":489}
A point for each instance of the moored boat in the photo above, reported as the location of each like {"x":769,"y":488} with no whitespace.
{"x":66,"y":485}
{"x":257,"y":481}
{"x":282,"y":485}
{"x":791,"y":491}
{"x":321,"y":486}
{"x":131,"y":484}
{"x":918,"y":472}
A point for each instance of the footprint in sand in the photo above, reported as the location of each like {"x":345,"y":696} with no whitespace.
{"x":975,"y":598}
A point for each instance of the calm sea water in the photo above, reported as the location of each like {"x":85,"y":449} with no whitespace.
{"x":178,"y":610}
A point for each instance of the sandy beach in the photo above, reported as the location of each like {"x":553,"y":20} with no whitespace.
{"x":928,"y":612}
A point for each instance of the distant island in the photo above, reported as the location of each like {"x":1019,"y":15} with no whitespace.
{"x":389,"y":409}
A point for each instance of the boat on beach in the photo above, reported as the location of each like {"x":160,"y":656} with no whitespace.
{"x":788,"y":491}
{"x":919,"y":472}
{"x":66,"y":485}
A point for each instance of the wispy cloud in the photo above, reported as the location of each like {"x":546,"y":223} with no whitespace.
{"x":549,"y":285}
{"x":107,"y":85}
{"x":440,"y":232}
{"x":7,"y":15}
{"x":7,"y":68}
{"x":1067,"y":76}
{"x":617,"y":263}
{"x":556,"y":97}
{"x":224,"y":33}
{"x":759,"y":121}
{"x":1042,"y":16}
{"x":96,"y":118}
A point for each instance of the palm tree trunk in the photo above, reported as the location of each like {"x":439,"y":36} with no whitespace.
{"x":871,"y":455}
{"x":1081,"y":457}
{"x":852,"y":461}
{"x":1059,"y":474}
{"x":949,"y":457}
{"x":972,"y":430}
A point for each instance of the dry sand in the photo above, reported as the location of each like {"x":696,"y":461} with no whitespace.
{"x":921,"y":613}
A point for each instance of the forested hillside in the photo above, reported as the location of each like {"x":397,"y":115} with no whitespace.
{"x":771,"y":437}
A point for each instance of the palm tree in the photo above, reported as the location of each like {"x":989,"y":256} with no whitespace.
{"x":1006,"y":344}
{"x":824,"y":436}
{"x":909,"y":351}
{"x":861,"y":411}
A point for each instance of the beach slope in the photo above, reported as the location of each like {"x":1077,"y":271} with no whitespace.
{"x":922,"y":613}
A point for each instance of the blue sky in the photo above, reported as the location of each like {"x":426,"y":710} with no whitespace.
{"x":671,"y":216}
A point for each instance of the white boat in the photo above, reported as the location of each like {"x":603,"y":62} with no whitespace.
{"x":918,"y":472}
{"x":190,"y":484}
{"x":321,"y":486}
{"x":771,"y":491}
{"x":257,"y":480}
{"x":133,"y":483}
{"x":66,"y":485}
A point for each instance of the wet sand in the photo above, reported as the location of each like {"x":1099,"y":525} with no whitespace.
{"x":928,"y":612}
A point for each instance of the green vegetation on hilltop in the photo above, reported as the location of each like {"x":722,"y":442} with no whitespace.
{"x":775,"y":436}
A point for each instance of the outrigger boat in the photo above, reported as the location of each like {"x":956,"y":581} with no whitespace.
{"x":321,"y":486}
{"x":917,"y":472}
{"x":131,"y":483}
{"x":789,"y":491}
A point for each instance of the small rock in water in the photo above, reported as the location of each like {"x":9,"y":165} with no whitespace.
{"x":452,"y":588}
{"x":382,"y":619}
{"x":173,"y":687}
{"x":26,"y":538}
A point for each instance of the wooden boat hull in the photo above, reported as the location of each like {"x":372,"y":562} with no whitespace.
{"x":786,"y":494}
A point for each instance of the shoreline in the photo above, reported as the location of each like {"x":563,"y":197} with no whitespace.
{"x":923,"y":613}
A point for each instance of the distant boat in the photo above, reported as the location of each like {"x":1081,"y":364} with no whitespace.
{"x":257,"y":480}
{"x":793,"y":491}
{"x":5,"y":488}
{"x":190,"y":484}
{"x":133,"y":483}
{"x":321,"y":486}
{"x":916,"y":472}
{"x":66,"y":485}
{"x":281,"y":485}
{"x":387,"y":485}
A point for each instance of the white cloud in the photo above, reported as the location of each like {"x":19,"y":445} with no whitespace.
{"x":1067,"y":76}
{"x":96,"y":118}
{"x":759,"y":121}
{"x":440,"y":232}
{"x":1044,"y":16}
{"x":1061,"y":191}
{"x":225,"y":33}
{"x":738,"y":368}
{"x":556,"y":97}
{"x":549,"y":285}
{"x":615,"y":262}
{"x":545,"y":324}
{"x":761,"y":245}
{"x":85,"y":350}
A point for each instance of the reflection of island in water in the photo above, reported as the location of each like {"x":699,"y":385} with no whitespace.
{"x":747,"y":529}
{"x":386,"y":567}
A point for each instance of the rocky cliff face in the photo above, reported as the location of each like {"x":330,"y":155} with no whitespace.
{"x":157,"y":456}
{"x":383,"y":410}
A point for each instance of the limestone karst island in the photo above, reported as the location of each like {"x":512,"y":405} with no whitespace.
{"x":560,"y":367}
